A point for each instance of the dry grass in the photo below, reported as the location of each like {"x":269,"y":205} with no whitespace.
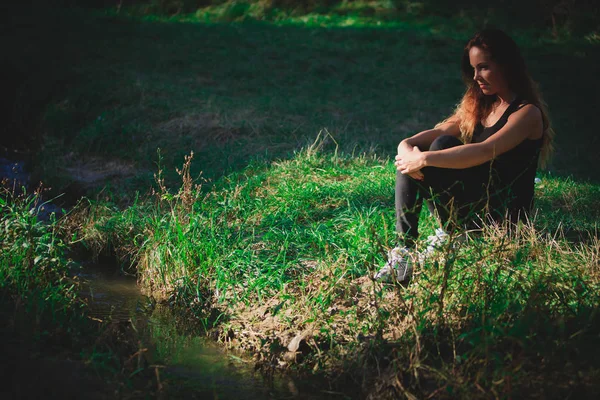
{"x":332,"y":321}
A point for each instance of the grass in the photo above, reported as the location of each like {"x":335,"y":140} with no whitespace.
{"x":268,"y":232}
{"x":47,"y":331}
{"x":276,"y":260}
{"x":33,"y":265}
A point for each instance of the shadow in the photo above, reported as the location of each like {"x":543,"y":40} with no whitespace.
{"x":545,"y":347}
{"x":89,"y":88}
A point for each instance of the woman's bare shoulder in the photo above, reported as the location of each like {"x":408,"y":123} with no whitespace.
{"x":450,"y":126}
{"x":531,"y":116}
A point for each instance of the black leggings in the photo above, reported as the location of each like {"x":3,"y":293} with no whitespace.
{"x":457,"y":196}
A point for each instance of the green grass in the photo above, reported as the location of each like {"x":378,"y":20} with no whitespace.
{"x":284,"y":250}
{"x":34,"y":268}
{"x":292,"y":126}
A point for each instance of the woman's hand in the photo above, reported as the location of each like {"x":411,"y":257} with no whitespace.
{"x":410,"y":162}
{"x":404,"y":150}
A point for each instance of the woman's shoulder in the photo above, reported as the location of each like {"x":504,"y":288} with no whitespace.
{"x":529,"y":115}
{"x":527,"y":111}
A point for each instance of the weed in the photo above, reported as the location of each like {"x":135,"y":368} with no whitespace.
{"x":33,"y":264}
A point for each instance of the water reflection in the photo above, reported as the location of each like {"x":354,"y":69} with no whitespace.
{"x":111,"y":294}
{"x":192,"y":366}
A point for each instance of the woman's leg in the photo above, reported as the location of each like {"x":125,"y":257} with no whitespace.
{"x":457,"y":195}
{"x":451,"y":190}
{"x":410,"y":194}
{"x":409,"y":200}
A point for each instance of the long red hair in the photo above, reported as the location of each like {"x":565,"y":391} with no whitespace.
{"x":476,"y":106}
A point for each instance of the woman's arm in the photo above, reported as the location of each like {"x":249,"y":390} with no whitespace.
{"x":425,"y":138}
{"x":525,"y":123}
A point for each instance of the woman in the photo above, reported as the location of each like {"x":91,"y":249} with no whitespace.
{"x":481,"y":161}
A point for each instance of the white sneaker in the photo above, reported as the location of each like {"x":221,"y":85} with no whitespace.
{"x":438,"y":241}
{"x":435,"y":242}
{"x":399,"y":266}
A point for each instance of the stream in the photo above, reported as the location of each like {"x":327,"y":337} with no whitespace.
{"x":204,"y":368}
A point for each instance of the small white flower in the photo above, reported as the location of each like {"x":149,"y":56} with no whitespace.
{"x":537,"y":181}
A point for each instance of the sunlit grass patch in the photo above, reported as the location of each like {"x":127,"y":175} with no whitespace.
{"x":277,"y":258}
{"x":275,"y":216}
{"x":311,"y":206}
{"x":471,"y":317}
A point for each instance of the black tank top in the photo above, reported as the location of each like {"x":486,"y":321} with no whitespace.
{"x":513,"y":172}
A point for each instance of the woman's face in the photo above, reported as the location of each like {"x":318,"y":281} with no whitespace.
{"x":486,"y":73}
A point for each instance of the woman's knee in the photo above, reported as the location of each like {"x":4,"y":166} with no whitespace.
{"x":445,"y":142}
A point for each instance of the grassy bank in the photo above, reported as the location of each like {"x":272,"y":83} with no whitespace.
{"x":276,"y":260}
{"x":269,"y":234}
{"x":41,"y":312}
{"x":47,"y":334}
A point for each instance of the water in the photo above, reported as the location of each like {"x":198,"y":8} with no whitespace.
{"x":112,"y":294}
{"x":14,"y":172}
{"x":194,"y":366}
{"x":14,"y":176}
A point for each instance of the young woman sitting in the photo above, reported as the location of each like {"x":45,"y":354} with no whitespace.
{"x":480,"y":163}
